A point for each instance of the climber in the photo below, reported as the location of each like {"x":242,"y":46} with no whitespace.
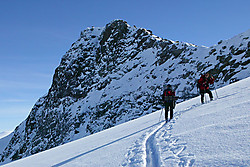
{"x":168,"y":97}
{"x":203,"y":84}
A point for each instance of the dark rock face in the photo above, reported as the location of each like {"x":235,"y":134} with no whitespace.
{"x":115,"y":74}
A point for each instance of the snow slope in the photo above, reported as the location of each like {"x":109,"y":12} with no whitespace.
{"x":4,"y":134}
{"x":214,"y":134}
{"x":4,"y":139}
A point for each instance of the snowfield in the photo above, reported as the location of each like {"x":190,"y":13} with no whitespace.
{"x":4,"y":139}
{"x":213,"y":134}
{"x":4,"y":134}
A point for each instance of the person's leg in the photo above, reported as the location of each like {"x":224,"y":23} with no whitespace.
{"x":171,"y":110}
{"x":210,"y":94}
{"x":166,"y":111}
{"x":202,"y":92}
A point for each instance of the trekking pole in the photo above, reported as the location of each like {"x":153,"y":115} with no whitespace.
{"x":205,"y":97}
{"x":216,"y":92}
{"x":161,"y":114}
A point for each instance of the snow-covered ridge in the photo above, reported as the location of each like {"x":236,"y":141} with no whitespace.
{"x":114,"y":74}
{"x":212,"y":134}
{"x":4,"y":139}
{"x":4,"y":134}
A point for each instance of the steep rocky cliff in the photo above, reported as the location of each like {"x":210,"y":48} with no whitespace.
{"x":114,"y":74}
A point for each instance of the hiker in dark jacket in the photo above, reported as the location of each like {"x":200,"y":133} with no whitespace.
{"x":169,"y":102}
{"x":204,"y":82}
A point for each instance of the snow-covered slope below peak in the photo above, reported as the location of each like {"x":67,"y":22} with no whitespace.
{"x":4,"y":134}
{"x":213,"y":134}
{"x":236,"y":40}
{"x":4,"y":139}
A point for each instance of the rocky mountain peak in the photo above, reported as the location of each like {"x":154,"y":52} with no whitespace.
{"x":114,"y":74}
{"x":116,"y":30}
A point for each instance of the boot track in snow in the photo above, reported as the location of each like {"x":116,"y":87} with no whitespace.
{"x":158,"y":147}
{"x":152,"y":154}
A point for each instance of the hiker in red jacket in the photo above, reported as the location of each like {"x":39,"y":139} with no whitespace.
{"x":169,"y":101}
{"x":203,"y":84}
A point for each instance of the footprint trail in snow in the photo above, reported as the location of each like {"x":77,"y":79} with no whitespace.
{"x":158,"y":147}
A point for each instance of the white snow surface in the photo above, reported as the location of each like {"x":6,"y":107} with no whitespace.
{"x":4,"y":134}
{"x":4,"y":139}
{"x":213,"y":134}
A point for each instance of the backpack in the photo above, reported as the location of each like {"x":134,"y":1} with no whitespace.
{"x":168,"y":95}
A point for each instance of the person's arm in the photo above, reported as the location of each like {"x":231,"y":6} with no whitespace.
{"x":211,"y":80}
{"x":200,"y":81}
{"x":163,"y":96}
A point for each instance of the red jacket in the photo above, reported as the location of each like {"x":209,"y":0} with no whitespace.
{"x":204,"y":82}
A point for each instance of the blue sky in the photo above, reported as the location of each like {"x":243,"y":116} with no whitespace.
{"x":35,"y":34}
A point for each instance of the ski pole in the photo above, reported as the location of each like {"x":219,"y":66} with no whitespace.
{"x":161,"y":114}
{"x":216,"y":92}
